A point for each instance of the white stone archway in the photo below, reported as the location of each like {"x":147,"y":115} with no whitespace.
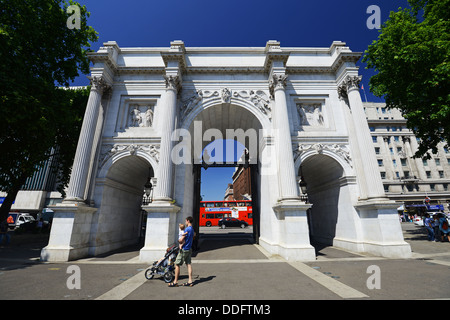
{"x":120,"y":186}
{"x":270,"y":90}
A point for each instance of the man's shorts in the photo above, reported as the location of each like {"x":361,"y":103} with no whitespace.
{"x":183,"y":257}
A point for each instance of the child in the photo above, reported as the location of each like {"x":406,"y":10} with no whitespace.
{"x":181,"y":235}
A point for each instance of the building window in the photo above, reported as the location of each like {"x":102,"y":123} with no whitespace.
{"x":372,"y":129}
{"x":403,"y":161}
{"x":399,"y":149}
{"x":406,"y":174}
{"x":445,"y":185}
{"x":386,"y":188}
{"x":428,"y":174}
{"x":432,"y":187}
{"x":394,"y":162}
{"x":380,"y":162}
{"x":396,"y":138}
{"x":383,"y":175}
{"x":438,"y":162}
{"x":374,"y":139}
{"x":446,"y":149}
{"x":441,"y":174}
{"x":391,"y":150}
{"x":425,"y":162}
{"x":377,"y":151}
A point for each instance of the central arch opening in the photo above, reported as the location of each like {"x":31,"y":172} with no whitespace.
{"x":230,"y":135}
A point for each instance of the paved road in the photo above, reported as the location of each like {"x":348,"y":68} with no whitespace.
{"x":229,"y":267}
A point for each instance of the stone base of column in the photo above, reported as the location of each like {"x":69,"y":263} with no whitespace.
{"x":70,"y":233}
{"x":381,"y":230}
{"x":293,"y":235}
{"x":161,"y":230}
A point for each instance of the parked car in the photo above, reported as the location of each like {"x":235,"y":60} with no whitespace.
{"x":16,"y":219}
{"x":232,"y":222}
{"x":418,"y":221}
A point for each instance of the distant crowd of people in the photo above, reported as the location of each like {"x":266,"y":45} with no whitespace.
{"x":437,"y":226}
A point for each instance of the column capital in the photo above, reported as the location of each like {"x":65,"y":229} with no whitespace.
{"x":172,"y":82}
{"x":348,"y":84}
{"x":99,"y":84}
{"x":406,"y":139}
{"x":277,"y":82}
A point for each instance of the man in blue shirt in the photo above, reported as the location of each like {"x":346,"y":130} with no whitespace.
{"x":184,"y":255}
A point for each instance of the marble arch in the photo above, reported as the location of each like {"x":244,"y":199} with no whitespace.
{"x":307,"y":102}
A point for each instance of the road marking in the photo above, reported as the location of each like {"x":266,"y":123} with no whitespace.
{"x":235,"y":261}
{"x":124,"y":289}
{"x":331,"y":284}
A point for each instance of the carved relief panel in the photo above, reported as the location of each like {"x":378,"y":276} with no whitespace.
{"x":313,"y":114}
{"x":136,"y":112}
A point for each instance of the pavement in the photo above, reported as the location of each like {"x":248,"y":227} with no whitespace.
{"x":229,"y":267}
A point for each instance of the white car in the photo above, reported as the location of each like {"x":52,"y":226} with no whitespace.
{"x":418,"y":221}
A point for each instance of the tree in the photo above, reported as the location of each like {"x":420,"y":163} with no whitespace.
{"x":38,"y":55}
{"x":411,"y":60}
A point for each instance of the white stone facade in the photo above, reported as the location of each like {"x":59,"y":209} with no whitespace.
{"x":406,"y":179}
{"x":153,"y":110}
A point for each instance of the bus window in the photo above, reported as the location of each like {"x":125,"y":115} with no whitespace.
{"x":219,"y":215}
{"x":209,"y":204}
{"x":210,"y":216}
{"x":241,"y":204}
{"x":219,"y":204}
{"x":232,"y":204}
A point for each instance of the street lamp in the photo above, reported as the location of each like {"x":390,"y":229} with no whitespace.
{"x":148,"y":187}
{"x":303,"y":185}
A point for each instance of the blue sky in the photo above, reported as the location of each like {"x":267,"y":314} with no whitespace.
{"x":249,"y":23}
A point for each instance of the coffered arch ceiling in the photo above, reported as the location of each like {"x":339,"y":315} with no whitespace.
{"x":225,"y":116}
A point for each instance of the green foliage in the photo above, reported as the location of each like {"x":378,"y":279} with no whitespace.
{"x":38,"y":54}
{"x":411,"y":60}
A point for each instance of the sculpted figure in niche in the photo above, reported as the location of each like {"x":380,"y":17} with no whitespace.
{"x":136,"y":118}
{"x":141,"y":119}
{"x":310,"y":115}
{"x":148,"y":117}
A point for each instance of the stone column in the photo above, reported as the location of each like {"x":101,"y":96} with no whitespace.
{"x":285,"y":160}
{"x":372,"y":176}
{"x":388,"y":165}
{"x":409,"y":154}
{"x":422,"y":175}
{"x":380,"y":232}
{"x":291,"y":224}
{"x":81,"y":165}
{"x":165,"y":179}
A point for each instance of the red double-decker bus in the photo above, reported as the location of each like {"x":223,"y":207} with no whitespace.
{"x":212,"y":211}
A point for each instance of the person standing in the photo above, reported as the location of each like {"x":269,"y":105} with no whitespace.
{"x":428,"y":222}
{"x":184,"y":255}
{"x":444,"y":228}
{"x":4,"y":232}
